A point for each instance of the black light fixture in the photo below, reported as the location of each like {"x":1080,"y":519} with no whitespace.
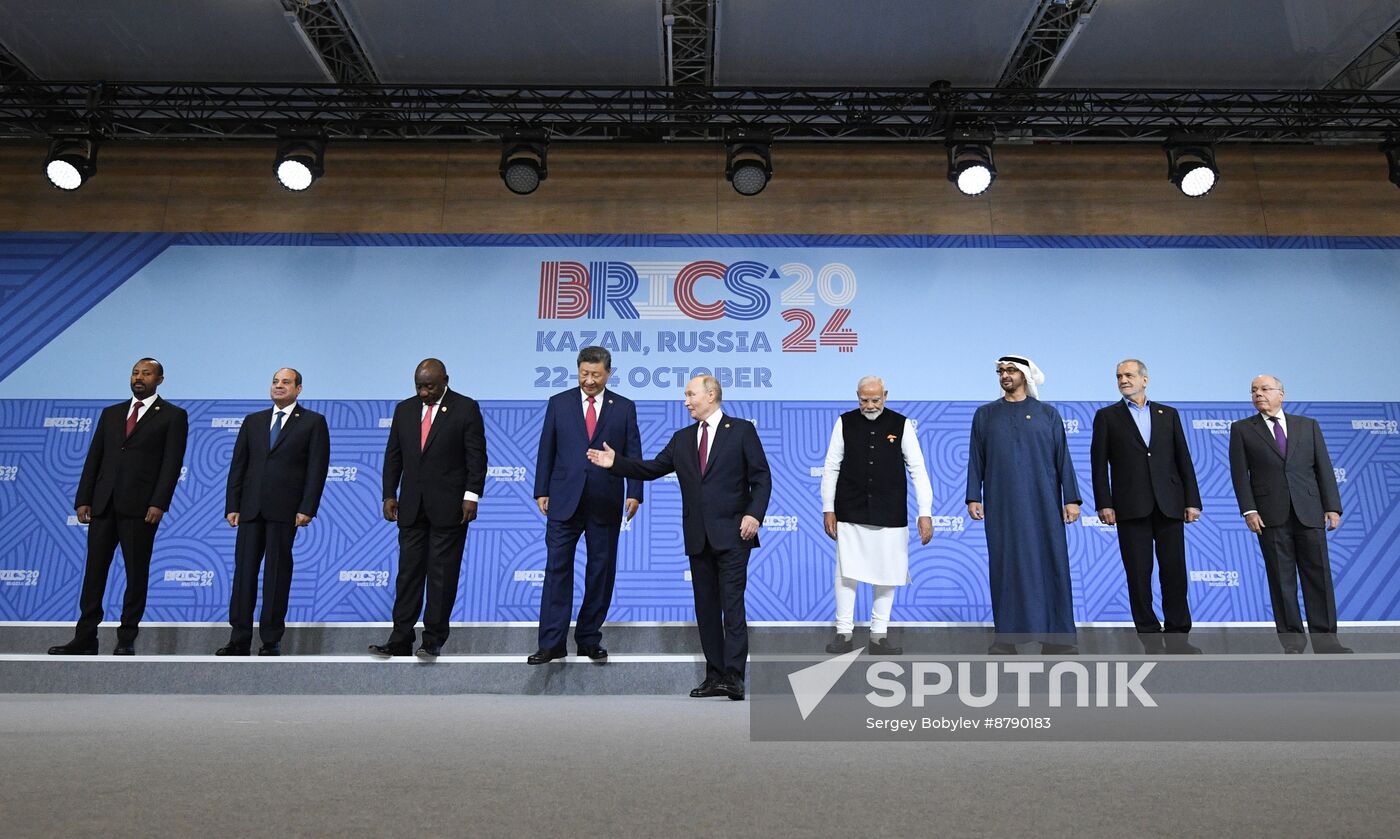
{"x":971,"y":165}
{"x":748,"y":161}
{"x":300,"y":161}
{"x":524,"y":161}
{"x":1391,"y":147}
{"x":71,"y":161}
{"x":1191,"y":165}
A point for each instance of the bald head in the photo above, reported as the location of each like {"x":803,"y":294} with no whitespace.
{"x":430,"y":380}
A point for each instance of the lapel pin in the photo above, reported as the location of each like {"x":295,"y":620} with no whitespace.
{"x":1028,"y":416}
{"x":1159,"y":410}
{"x":297,"y":414}
{"x":444,"y":409}
{"x":609,"y":401}
{"x":890,"y":437}
{"x":155,"y":407}
{"x":726,"y":425}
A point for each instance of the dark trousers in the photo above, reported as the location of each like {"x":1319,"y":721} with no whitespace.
{"x":719,"y":579}
{"x":136,"y":539}
{"x":430,"y":561}
{"x":256,"y":538}
{"x":1135,"y":541}
{"x":1291,"y":551}
{"x":600,"y":525}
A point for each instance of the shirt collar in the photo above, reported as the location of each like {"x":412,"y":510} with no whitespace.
{"x":145,"y":403}
{"x":598,"y":400}
{"x":290,"y":409}
{"x":1132,"y":406}
{"x":713,"y":419}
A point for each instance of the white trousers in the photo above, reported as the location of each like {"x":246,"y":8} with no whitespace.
{"x":846,"y":607}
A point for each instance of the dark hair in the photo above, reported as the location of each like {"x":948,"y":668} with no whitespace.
{"x":160,"y":368}
{"x":295,"y":372}
{"x":595,"y":355}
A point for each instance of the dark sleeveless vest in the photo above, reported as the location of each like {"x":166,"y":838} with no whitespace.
{"x":872,"y":487}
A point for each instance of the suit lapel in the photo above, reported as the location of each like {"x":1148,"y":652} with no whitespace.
{"x":717,"y":445}
{"x":286,"y":426}
{"x":147,"y":413}
{"x":1125,"y":416}
{"x":1262,"y":426}
{"x":438,"y":417}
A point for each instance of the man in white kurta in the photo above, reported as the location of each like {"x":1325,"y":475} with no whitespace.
{"x":865,"y":500}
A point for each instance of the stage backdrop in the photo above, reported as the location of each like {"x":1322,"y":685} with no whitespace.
{"x":788,"y":324}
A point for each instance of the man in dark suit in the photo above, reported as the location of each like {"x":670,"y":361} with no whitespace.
{"x":434,"y":474}
{"x":1287,"y":493}
{"x":1145,"y":484}
{"x":274,"y":487}
{"x":725,"y":485}
{"x":581,"y":499}
{"x":128,"y":479}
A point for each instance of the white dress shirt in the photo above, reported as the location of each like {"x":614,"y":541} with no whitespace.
{"x":286,"y":415}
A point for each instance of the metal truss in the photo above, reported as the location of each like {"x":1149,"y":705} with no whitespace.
{"x":1374,"y":63}
{"x":334,"y":41}
{"x":12,"y":69}
{"x":689,"y":30}
{"x":1044,"y":42}
{"x":113,"y":110}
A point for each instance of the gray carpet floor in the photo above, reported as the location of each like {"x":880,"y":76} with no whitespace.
{"x":155,"y":766}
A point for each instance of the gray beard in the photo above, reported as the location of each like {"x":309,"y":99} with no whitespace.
{"x":874,"y":416}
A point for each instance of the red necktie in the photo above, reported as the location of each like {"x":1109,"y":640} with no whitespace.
{"x":704,"y":445}
{"x":590,"y":418}
{"x":426,"y":425}
{"x":131,"y":420}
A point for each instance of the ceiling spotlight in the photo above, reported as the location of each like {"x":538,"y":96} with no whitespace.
{"x":1391,"y":147}
{"x":300,"y":161}
{"x":71,"y":161}
{"x":524,"y":161}
{"x":970,"y":162}
{"x":748,"y":161}
{"x":1191,"y":165}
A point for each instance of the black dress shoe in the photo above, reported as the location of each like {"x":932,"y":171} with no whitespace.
{"x":707,"y":688}
{"x":840,"y":644}
{"x":732,"y":689}
{"x":270,"y":649}
{"x":124,"y":649}
{"x":233,"y":649}
{"x":1058,"y":649}
{"x":75,"y":648}
{"x":1294,"y":649}
{"x":1178,"y":645}
{"x":1333,"y":648}
{"x":882,"y":646}
{"x":1152,"y":643}
{"x":545,"y":656}
{"x":1001,"y":648}
{"x":429,"y":652}
{"x":593,"y":652}
{"x":388,"y":652}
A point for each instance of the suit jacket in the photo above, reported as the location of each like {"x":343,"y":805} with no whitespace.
{"x":562,"y":470}
{"x":1269,"y":483}
{"x":276,"y":482}
{"x":435,"y":478}
{"x":736,"y":482}
{"x":1132,"y":477}
{"x":128,"y":475}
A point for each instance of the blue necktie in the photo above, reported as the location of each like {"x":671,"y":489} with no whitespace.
{"x":276,"y":429}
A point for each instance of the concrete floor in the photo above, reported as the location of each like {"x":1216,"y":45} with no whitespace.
{"x":153,"y":766}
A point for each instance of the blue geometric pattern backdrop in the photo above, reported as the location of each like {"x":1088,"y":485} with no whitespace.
{"x":347,"y":558}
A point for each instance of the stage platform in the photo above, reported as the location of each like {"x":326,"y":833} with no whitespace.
{"x":645,"y":660}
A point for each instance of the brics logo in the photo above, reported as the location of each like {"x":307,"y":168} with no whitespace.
{"x":71,"y":424}
{"x":1214,"y":426}
{"x":9,"y":473}
{"x":233,"y":423}
{"x":1217,"y":578}
{"x":949,"y":524}
{"x":19,"y":576}
{"x":344,"y":474}
{"x":780,"y":523}
{"x":366,"y":579}
{"x":1376,"y":426}
{"x":513,"y":474}
{"x":188,"y":578}
{"x":530,"y":575}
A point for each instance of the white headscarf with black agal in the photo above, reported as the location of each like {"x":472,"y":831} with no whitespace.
{"x":1034,"y":378}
